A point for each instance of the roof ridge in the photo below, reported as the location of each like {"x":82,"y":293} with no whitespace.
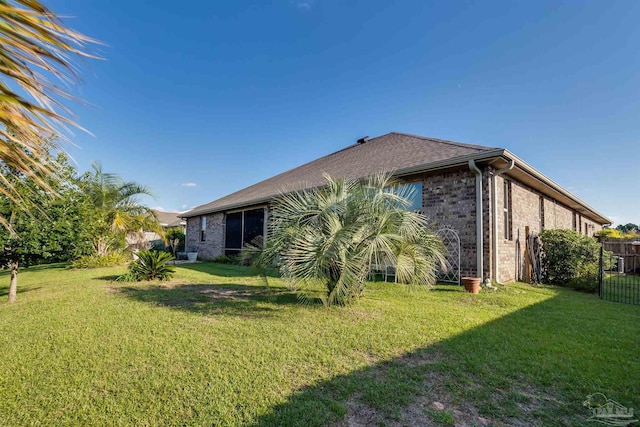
{"x":449,"y":149}
{"x":444,"y":141}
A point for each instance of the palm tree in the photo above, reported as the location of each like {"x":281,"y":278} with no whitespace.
{"x":35,"y":49}
{"x":333,"y":235}
{"x":116,"y":208}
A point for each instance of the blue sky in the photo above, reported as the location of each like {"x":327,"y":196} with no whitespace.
{"x":199,"y":99}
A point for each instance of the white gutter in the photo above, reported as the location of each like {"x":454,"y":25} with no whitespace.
{"x":479,"y":219}
{"x":494,"y":203}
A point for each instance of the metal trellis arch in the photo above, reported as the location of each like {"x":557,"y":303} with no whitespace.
{"x":451,"y":243}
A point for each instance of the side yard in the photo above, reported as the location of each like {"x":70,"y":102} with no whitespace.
{"x":214,"y":347}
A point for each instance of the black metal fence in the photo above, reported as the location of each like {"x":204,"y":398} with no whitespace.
{"x":619,"y":278}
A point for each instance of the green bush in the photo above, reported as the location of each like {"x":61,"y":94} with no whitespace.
{"x":613,"y":233}
{"x":610,"y":233}
{"x":224,"y":259}
{"x":175,"y":238}
{"x":570,"y":259}
{"x":150,"y":265}
{"x":95,"y":261}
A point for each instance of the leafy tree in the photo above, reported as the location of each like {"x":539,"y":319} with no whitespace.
{"x":334,"y":235}
{"x":44,"y":225}
{"x":628,"y":228}
{"x":36,"y":49}
{"x":116,"y":208}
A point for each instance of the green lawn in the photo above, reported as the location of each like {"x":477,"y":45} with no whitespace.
{"x":214,"y":347}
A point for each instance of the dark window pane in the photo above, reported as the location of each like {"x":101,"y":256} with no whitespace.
{"x":253,"y":225}
{"x":232,"y":252}
{"x":233,"y":231}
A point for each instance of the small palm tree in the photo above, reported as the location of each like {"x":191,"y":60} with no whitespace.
{"x":150,"y":265}
{"x":117,"y":209}
{"x":335,"y":234}
{"x":36,"y":49}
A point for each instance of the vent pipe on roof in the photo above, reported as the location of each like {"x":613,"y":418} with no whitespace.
{"x":363,"y":140}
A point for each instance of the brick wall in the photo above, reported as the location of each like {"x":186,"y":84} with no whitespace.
{"x":525,"y":203}
{"x":449,"y":199}
{"x":525,"y":211}
{"x":213,"y":245}
{"x":557,"y":215}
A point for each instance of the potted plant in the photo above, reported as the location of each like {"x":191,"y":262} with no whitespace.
{"x":192,"y":255}
{"x":472,"y":284}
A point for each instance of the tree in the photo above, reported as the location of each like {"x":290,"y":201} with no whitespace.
{"x":334,"y":235}
{"x":36,"y":48}
{"x":46,"y":225}
{"x":628,"y":228}
{"x":117,"y":210}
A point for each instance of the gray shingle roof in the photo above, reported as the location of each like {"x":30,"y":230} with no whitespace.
{"x":387,"y":153}
{"x":169,"y":219}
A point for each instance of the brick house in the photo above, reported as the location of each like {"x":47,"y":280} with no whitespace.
{"x":488,"y":195}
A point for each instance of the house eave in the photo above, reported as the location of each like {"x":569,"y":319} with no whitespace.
{"x":497,"y":158}
{"x":553,"y":189}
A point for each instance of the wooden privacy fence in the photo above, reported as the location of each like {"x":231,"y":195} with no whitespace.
{"x":627,"y":251}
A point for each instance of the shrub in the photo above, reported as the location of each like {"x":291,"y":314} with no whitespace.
{"x":613,"y":233}
{"x":150,"y":265}
{"x":225,"y":259}
{"x":175,"y":238}
{"x":570,"y":259}
{"x":95,"y":261}
{"x":159,"y":246}
{"x":610,"y":233}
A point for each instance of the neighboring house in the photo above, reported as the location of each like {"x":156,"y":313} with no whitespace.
{"x":170,"y":220}
{"x":145,"y":239}
{"x":488,"y":195}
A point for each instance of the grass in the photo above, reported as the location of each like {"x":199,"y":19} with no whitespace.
{"x":214,"y":347}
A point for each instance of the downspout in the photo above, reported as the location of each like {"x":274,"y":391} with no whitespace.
{"x":494,"y":203}
{"x":479,"y":219}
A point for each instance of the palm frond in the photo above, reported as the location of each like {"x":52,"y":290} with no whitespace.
{"x":36,"y":49}
{"x":334,"y":234}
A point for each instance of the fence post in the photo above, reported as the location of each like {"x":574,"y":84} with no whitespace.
{"x":600,"y":271}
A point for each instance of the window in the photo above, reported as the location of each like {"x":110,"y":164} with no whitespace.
{"x":508,"y":235}
{"x":203,"y":228}
{"x":242,"y":228}
{"x":411,"y":191}
{"x":586,"y":229}
{"x":415,"y":195}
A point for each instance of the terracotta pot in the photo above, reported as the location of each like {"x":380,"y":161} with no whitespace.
{"x":472,"y":284}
